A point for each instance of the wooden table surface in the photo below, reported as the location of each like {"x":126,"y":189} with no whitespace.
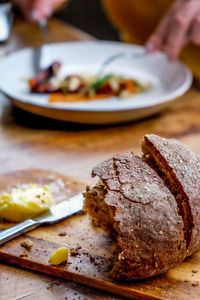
{"x":29,"y":141}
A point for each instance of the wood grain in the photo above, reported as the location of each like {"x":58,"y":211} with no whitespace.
{"x":93,"y":261}
{"x":73,"y":149}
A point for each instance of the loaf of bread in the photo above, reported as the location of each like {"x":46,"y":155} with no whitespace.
{"x":150,"y":206}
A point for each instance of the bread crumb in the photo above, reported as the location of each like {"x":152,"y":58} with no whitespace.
{"x":74,"y":252}
{"x":195,"y":283}
{"x":120,"y":256}
{"x":62,"y":234}
{"x":27,"y":244}
{"x":194,"y":271}
{"x":23,"y":253}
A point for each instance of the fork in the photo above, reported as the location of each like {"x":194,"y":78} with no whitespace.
{"x":117,"y":56}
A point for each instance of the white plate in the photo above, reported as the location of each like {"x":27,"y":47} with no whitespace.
{"x":169,"y":80}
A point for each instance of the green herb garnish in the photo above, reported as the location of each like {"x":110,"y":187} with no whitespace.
{"x":100,"y":81}
{"x":64,"y":87}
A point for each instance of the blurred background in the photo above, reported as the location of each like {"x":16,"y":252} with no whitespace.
{"x":136,"y":22}
{"x":89,"y":16}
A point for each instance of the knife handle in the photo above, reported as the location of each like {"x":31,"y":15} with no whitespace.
{"x":14,"y":231}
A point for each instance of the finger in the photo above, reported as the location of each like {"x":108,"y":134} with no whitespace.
{"x":44,"y":8}
{"x":195,"y":31}
{"x":156,"y":41}
{"x":179,"y":28}
{"x":41,"y":9}
{"x":184,"y":43}
{"x":57,"y":3}
{"x":25,"y":6}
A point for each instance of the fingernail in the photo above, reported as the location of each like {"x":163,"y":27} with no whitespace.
{"x":34,"y":15}
{"x":150,"y":47}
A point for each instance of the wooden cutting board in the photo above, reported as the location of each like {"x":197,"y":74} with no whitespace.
{"x":91,"y":249}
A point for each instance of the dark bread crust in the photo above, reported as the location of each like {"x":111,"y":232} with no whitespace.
{"x":181,"y":169}
{"x":149,"y":231}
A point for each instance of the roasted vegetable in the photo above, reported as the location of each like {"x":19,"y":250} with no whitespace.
{"x":75,"y":87}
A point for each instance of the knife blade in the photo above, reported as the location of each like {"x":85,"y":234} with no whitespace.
{"x":43,"y":25}
{"x":55,"y":214}
{"x":38,"y":52}
{"x":36,"y":60}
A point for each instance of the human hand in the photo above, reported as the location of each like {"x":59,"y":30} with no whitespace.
{"x":36,"y":10}
{"x":179,"y":26}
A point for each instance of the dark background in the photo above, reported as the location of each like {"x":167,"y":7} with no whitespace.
{"x":88,"y":15}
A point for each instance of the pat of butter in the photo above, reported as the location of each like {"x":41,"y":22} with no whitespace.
{"x":22,"y":204}
{"x":59,"y":256}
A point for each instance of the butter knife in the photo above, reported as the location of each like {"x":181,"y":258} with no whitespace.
{"x":55,"y":214}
